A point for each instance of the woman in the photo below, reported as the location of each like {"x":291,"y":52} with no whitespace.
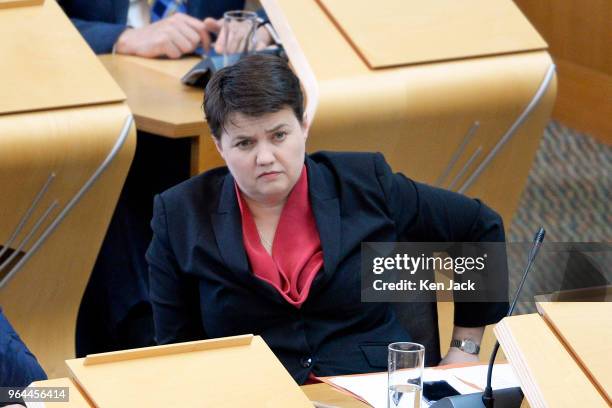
{"x":270,"y":244}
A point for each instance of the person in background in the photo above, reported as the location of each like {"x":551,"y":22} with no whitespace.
{"x":155,"y":28}
{"x":18,"y":367}
{"x":115,"y":312}
{"x":270,"y":244}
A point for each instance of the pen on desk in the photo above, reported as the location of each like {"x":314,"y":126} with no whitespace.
{"x":318,"y":404}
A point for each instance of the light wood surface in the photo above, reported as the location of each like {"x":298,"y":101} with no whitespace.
{"x":549,"y":376}
{"x":585,"y":329}
{"x":418,"y":116}
{"x":168,"y":108}
{"x":576,"y":31}
{"x":165,"y":350}
{"x":326,"y":394}
{"x":584,"y":102}
{"x":322,"y":393}
{"x":46,"y":64}
{"x":77,"y":399}
{"x":579,"y":34}
{"x":42,"y":299}
{"x":401,"y":32}
{"x":19,"y":3}
{"x":159,"y":102}
{"x":242,"y":375}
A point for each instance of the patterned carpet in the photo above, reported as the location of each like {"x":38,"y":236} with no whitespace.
{"x":568,"y":190}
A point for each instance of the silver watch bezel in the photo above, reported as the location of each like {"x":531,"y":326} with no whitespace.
{"x":466,"y":345}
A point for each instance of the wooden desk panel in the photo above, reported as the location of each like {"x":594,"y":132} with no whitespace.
{"x":402,"y":32}
{"x":549,"y":376}
{"x":161,"y":104}
{"x":418,"y":116}
{"x":586,"y":330}
{"x":49,"y":71}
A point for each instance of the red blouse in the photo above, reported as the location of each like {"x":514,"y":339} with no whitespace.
{"x":296,"y":251}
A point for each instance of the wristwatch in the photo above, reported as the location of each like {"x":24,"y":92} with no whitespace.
{"x":466,"y":345}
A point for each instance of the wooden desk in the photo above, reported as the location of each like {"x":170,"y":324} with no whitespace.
{"x":162,"y":105}
{"x":585,"y":329}
{"x":316,"y":392}
{"x":550,"y":376}
{"x":327,"y":394}
{"x":62,"y":167}
{"x":440,"y":88}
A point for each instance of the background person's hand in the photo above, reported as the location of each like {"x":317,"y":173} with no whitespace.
{"x":171,"y":37}
{"x":235,"y":40}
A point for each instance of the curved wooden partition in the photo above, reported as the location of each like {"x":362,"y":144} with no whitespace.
{"x":453,"y":93}
{"x":64,"y":155}
{"x":469,"y":122}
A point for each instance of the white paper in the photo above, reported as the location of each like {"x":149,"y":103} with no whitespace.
{"x":503,"y":376}
{"x":372,"y":388}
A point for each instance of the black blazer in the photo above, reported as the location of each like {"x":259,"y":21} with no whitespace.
{"x":202,"y":285}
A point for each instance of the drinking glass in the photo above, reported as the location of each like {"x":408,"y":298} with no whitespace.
{"x":405,"y":368}
{"x":238,"y":34}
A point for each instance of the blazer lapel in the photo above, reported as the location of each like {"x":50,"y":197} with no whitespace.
{"x":227,"y":226}
{"x":326,"y":209}
{"x":228,"y":230}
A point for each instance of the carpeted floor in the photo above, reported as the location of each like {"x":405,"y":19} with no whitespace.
{"x":568,"y":190}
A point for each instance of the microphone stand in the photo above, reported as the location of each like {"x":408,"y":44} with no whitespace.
{"x":508,"y":397}
{"x":487,"y":397}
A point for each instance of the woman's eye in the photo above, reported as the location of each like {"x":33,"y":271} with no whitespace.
{"x":244,"y":144}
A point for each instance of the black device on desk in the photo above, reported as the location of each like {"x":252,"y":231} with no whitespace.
{"x":436,"y":390}
{"x":200,"y":74}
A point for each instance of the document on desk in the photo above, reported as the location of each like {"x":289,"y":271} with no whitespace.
{"x":372,"y":388}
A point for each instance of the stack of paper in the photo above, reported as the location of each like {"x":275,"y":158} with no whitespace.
{"x":372,"y":388}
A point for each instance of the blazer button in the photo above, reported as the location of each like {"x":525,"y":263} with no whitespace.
{"x":306,"y":362}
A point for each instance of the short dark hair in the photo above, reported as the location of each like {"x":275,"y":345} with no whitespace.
{"x":254,"y":86}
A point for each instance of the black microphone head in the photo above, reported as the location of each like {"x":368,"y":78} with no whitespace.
{"x":539,"y":236}
{"x":537,"y":242}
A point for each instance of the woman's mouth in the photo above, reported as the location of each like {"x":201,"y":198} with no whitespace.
{"x":269,"y":175}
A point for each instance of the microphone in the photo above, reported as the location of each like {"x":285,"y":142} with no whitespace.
{"x":507,"y":397}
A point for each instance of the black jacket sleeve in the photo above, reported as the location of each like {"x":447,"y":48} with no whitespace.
{"x":100,"y":36}
{"x":18,"y":366}
{"x":174,"y":296}
{"x":428,"y":214}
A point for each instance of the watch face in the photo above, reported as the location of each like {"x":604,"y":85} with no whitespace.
{"x":469,"y":347}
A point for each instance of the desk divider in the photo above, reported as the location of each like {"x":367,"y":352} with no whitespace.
{"x":239,"y":371}
{"x":164,"y":350}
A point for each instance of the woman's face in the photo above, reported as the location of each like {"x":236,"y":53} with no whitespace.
{"x":265,"y":154}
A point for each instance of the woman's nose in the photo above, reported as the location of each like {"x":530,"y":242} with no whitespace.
{"x":265,"y":156}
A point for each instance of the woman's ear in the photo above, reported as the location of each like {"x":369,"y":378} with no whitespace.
{"x":305,"y":126}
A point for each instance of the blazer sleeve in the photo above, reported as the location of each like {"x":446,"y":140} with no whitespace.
{"x":100,"y":36}
{"x":18,"y":367}
{"x":424,"y":213}
{"x":174,"y":295}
